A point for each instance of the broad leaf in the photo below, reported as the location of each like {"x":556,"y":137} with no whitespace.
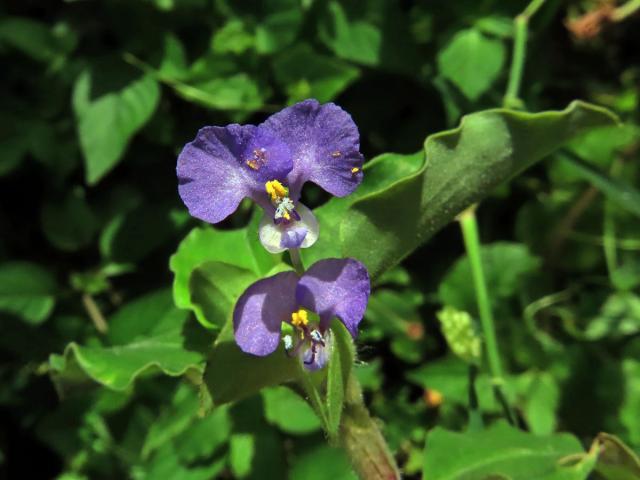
{"x":501,"y":452}
{"x":472,"y":62}
{"x":288,"y":411}
{"x":463,"y":165}
{"x":106,"y":125}
{"x":171,"y":345}
{"x":231,"y":374}
{"x":239,"y":248}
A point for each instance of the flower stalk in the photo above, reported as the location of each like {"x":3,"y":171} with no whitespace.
{"x":469,"y":227}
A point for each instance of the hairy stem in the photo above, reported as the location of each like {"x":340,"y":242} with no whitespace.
{"x":469,"y":229}
{"x":362,"y":440}
{"x":521,"y":32}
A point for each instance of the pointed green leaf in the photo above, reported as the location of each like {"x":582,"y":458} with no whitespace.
{"x":106,"y":125}
{"x":339,"y":369}
{"x":462,"y":166}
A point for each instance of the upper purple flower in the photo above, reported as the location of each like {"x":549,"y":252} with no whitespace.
{"x":330,"y":288}
{"x":269,"y":164}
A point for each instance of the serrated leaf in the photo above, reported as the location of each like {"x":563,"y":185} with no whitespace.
{"x":472,"y":62}
{"x":463,"y":165}
{"x":106,"y":125}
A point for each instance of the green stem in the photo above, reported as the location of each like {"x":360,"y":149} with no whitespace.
{"x":296,"y":261}
{"x":625,"y":10}
{"x":361,"y":438}
{"x":521,"y":31}
{"x":469,"y":228}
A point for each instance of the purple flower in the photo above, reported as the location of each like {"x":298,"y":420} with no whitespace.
{"x":269,"y":164}
{"x":330,"y":288}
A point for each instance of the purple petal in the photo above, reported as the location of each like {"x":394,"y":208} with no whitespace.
{"x":225,"y":164}
{"x":261,"y":309}
{"x":325,"y":144}
{"x":336,"y":287}
{"x":293,"y":237}
{"x":210,"y":179}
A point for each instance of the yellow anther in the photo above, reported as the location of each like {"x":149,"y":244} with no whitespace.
{"x":253,"y":164}
{"x":286,"y":215}
{"x":300,"y":318}
{"x":354,"y":170}
{"x":276,"y":190}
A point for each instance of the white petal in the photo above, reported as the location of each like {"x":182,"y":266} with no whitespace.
{"x":271,"y":234}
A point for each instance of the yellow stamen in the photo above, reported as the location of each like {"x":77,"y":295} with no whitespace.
{"x":286,"y":216}
{"x":253,"y":164}
{"x":276,"y":190}
{"x":300,"y":318}
{"x":354,"y":170}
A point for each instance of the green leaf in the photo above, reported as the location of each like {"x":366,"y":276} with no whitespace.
{"x":35,"y":39}
{"x":205,"y":244}
{"x":339,"y":369}
{"x":620,"y":192}
{"x":456,"y":290}
{"x":380,"y":173}
{"x":215,"y":287}
{"x":618,"y":317}
{"x":280,"y":27}
{"x":27,"y":290}
{"x":288,"y":411}
{"x":249,"y":373}
{"x":357,"y":40}
{"x":106,"y":125}
{"x":169,"y":346}
{"x":321,"y":463}
{"x":500,"y":450}
{"x":472,"y":62}
{"x":302,"y":73}
{"x":241,"y":451}
{"x":463,"y":166}
{"x":616,"y":461}
{"x":70,"y":224}
{"x":232,"y":38}
{"x":541,"y":397}
{"x":630,"y":408}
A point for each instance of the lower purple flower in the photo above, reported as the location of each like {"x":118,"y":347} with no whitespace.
{"x":330,"y":288}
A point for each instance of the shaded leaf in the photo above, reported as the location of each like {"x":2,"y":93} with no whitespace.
{"x":27,"y":290}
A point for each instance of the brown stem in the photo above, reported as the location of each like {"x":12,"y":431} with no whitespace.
{"x":362,"y":440}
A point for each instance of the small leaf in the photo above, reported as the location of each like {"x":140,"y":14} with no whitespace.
{"x":499,"y":450}
{"x":306,"y":74}
{"x":456,"y":290}
{"x":215,"y":287}
{"x":207,"y":244}
{"x":241,"y":451}
{"x":339,"y":369}
{"x":106,"y":125}
{"x":472,"y":62}
{"x":288,"y":411}
{"x":616,"y":461}
{"x":70,"y":224}
{"x":27,"y":290}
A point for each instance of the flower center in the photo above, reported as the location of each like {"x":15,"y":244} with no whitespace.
{"x":285,"y":208}
{"x":300,"y":318}
{"x":305,"y":339}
